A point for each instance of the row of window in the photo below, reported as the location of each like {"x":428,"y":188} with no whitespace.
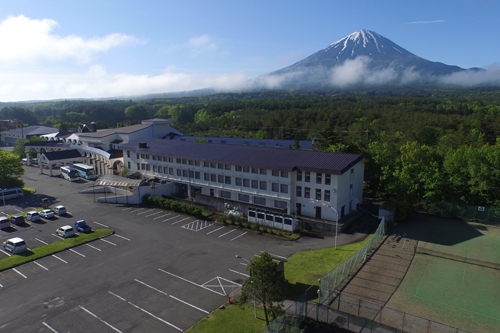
{"x":213,"y":165}
{"x":255,"y":199}
{"x":319,"y":177}
{"x":307,"y":193}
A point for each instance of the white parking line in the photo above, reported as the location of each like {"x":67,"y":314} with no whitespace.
{"x":147,"y":285}
{"x":107,"y":241}
{"x":15,"y":270}
{"x":57,"y":236}
{"x":122,"y":237}
{"x":136,"y":210}
{"x":159,"y":217}
{"x":95,"y":248}
{"x":196,"y":284}
{"x":227,"y":233}
{"x":208,"y":233}
{"x":77,"y":253}
{"x":232,"y":270}
{"x":152,"y":214}
{"x":146,"y":211}
{"x":170,"y":218}
{"x":238,"y":236}
{"x":64,"y":261}
{"x":5,"y":252}
{"x":149,"y":313}
{"x":103,"y":321}
{"x":105,"y":226}
{"x":41,"y":266}
{"x":48,"y":326}
{"x":275,"y":255}
{"x":179,"y":221}
{"x":41,"y":241}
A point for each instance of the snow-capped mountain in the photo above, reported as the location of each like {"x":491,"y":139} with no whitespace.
{"x":362,"y":58}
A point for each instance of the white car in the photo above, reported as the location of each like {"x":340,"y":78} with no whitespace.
{"x":65,"y":231}
{"x":47,"y":213}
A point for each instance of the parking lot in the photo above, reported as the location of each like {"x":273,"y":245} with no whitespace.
{"x":160,"y":272}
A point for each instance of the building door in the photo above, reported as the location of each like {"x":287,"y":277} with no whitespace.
{"x":318,"y":212}
{"x":211,"y":192}
{"x":298,"y":209}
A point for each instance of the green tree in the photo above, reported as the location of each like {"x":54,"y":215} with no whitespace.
{"x":137,"y":112}
{"x":19,"y":149}
{"x":11,"y":170}
{"x":265,"y":284}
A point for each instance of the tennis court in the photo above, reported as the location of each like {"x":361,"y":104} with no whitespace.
{"x":453,"y":279}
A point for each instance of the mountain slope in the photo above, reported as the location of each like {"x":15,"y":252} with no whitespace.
{"x":363,"y":57}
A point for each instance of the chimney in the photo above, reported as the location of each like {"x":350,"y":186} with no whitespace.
{"x":93,"y":126}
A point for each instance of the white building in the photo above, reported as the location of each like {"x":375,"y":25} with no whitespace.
{"x":286,"y":181}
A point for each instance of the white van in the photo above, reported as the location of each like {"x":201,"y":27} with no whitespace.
{"x":15,"y":245}
{"x":11,"y":193}
{"x":32,"y":216}
{"x":60,"y":210}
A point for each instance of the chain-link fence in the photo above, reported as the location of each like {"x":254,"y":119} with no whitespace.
{"x":470,"y":213}
{"x":329,"y":282}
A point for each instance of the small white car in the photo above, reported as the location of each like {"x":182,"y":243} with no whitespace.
{"x":60,"y":210}
{"x":65,"y":231}
{"x":15,"y":245}
{"x":32,"y":216}
{"x":47,"y":213}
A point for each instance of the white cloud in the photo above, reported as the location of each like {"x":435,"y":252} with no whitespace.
{"x":427,"y":22}
{"x":29,"y":40}
{"x":200,"y":44}
{"x":471,"y":78}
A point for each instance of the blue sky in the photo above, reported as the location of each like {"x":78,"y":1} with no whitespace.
{"x":54,"y":49}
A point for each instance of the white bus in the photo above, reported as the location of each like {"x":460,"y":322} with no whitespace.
{"x":69,"y":173}
{"x":85,"y":171}
{"x":11,"y":193}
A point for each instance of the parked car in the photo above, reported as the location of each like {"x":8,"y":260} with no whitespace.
{"x":32,"y":216}
{"x":60,"y":210}
{"x":4,"y":222}
{"x":82,"y":226}
{"x":16,"y":219}
{"x":15,"y":245}
{"x":47,"y":213}
{"x":65,"y":231}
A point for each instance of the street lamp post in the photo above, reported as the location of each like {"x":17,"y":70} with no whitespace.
{"x":4,"y":207}
{"x":336,"y":223}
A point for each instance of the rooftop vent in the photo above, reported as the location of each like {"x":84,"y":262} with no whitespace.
{"x":143,"y":145}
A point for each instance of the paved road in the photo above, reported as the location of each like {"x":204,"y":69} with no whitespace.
{"x":161,"y":271}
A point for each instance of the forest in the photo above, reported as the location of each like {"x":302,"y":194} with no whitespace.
{"x":421,"y":145}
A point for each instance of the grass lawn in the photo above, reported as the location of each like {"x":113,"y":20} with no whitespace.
{"x":45,"y":250}
{"x":303,"y":269}
{"x":232,"y":318}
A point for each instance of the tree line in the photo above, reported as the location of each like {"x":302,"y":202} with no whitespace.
{"x":421,"y":146}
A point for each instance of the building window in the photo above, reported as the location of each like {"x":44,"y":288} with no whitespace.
{"x":206,"y":176}
{"x":327,"y":195}
{"x":137,"y":156}
{"x":350,"y":190}
{"x":237,"y":167}
{"x":212,"y":165}
{"x":220,"y":179}
{"x":220,"y":166}
{"x":143,"y":166}
{"x":352,"y":174}
{"x":263,"y":185}
{"x":308,"y":177}
{"x":179,"y":172}
{"x":307,"y":192}
{"x":138,"y":166}
{"x":275,"y":173}
{"x":178,"y":161}
{"x":284,"y":188}
{"x":128,"y":165}
{"x":263,"y":171}
{"x":225,"y":194}
{"x":197,"y":163}
{"x":299,"y":176}
{"x":259,"y":201}
{"x":154,"y":157}
{"x":165,"y":170}
{"x":185,"y":173}
{"x":327,"y":179}
{"x":128,"y":153}
{"x":298,"y":191}
{"x":275,"y":187}
{"x":206,"y":164}
{"x":280,"y":204}
{"x":239,"y":181}
{"x":244,"y":197}
{"x":246,"y":182}
{"x":284,"y":174}
{"x":319,"y":178}
{"x":227,"y":180}
{"x":255,"y":170}
{"x":190,"y":162}
{"x":246,"y":169}
{"x":148,"y":167}
{"x":155,"y":168}
{"x":171,"y":159}
{"x":171,"y":171}
{"x":227,"y":166}
{"x":213,"y":177}
{"x":255,"y":183}
{"x":165,"y":159}
{"x":318,"y":194}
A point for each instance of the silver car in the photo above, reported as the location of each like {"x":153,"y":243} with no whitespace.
{"x":47,"y":213}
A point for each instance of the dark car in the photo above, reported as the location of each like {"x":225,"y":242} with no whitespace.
{"x":16,"y":219}
{"x":81,"y":226}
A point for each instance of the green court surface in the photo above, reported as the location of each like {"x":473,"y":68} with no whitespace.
{"x":468,"y":240}
{"x":450,"y":292}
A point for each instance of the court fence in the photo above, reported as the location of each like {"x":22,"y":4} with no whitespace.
{"x":329,"y":282}
{"x":469,"y":213}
